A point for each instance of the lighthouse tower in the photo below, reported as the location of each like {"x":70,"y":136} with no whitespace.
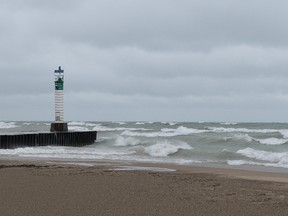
{"x":59,"y":124}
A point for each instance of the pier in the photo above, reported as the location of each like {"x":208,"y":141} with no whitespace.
{"x":74,"y":139}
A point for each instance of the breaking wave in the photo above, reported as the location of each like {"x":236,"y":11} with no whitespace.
{"x":126,"y":141}
{"x":284,"y":133}
{"x":272,"y":157}
{"x":241,"y":130}
{"x":228,"y":123}
{"x":165,"y":132}
{"x":267,"y":141}
{"x":166,"y":142}
{"x":272,"y":141}
{"x":245,"y":137}
{"x":87,"y":124}
{"x":140,"y":123}
{"x":107,"y":129}
{"x":6,"y":125}
{"x":78,"y":128}
{"x":165,"y":148}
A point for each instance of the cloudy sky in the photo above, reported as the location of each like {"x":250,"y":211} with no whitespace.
{"x":145,"y":60}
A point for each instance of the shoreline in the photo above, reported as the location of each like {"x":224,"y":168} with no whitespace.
{"x":245,"y":172}
{"x":71,"y":188}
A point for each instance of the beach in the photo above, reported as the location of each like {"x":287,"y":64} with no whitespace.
{"x":113,"y":188}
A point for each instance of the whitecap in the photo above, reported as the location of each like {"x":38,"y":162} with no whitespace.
{"x":272,"y":141}
{"x":165,"y":132}
{"x":284,"y":133}
{"x":7,"y":125}
{"x":245,"y":137}
{"x":126,"y":141}
{"x":81,"y":123}
{"x":107,"y":129}
{"x":165,"y":148}
{"x":267,"y":141}
{"x":228,"y":123}
{"x":120,"y":123}
{"x":140,"y":123}
{"x":77,"y":123}
{"x":273,"y":157}
{"x":243,"y":130}
{"x":77,"y":128}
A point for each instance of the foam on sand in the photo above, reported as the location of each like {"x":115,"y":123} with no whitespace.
{"x":142,"y":168}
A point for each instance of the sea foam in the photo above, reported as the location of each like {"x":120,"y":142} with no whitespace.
{"x":107,"y":129}
{"x":65,"y":152}
{"x":273,"y":157}
{"x":165,"y":148}
{"x":245,"y":137}
{"x":245,"y":162}
{"x":165,"y":132}
{"x":78,"y":128}
{"x":6,"y":125}
{"x":126,"y":141}
{"x":228,"y":123}
{"x":267,"y":141}
{"x":284,"y":133}
{"x":272,"y":141}
{"x":242,"y":130}
{"x":77,"y":123}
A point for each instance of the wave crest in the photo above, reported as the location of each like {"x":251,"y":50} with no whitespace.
{"x":267,"y":141}
{"x":7,"y":125}
{"x":126,"y":141}
{"x":165,"y":148}
{"x":165,"y":132}
{"x":273,"y":157}
{"x":272,"y":141}
{"x":242,"y":130}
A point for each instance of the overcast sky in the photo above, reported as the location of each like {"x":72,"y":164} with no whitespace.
{"x":145,"y":60}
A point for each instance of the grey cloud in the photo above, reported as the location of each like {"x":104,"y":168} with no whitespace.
{"x":150,"y":60}
{"x":161,"y":25}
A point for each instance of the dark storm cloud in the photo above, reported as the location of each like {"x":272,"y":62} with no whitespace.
{"x":151,"y":60}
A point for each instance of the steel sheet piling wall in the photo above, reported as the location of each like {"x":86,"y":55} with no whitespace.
{"x":75,"y":139}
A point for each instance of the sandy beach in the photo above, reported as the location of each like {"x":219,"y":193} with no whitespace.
{"x":54,"y":188}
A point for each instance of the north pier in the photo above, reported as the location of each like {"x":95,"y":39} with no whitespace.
{"x":59,"y":134}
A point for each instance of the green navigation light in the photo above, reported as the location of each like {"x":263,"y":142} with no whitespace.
{"x":59,"y":84}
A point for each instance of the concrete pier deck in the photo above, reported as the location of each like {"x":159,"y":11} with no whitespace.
{"x":71,"y":138}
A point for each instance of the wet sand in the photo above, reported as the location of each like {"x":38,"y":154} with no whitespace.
{"x":41,"y":188}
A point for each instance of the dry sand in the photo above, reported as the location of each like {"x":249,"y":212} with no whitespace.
{"x":40,"y":188}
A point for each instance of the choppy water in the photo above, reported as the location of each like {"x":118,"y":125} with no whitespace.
{"x":233,"y":144}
